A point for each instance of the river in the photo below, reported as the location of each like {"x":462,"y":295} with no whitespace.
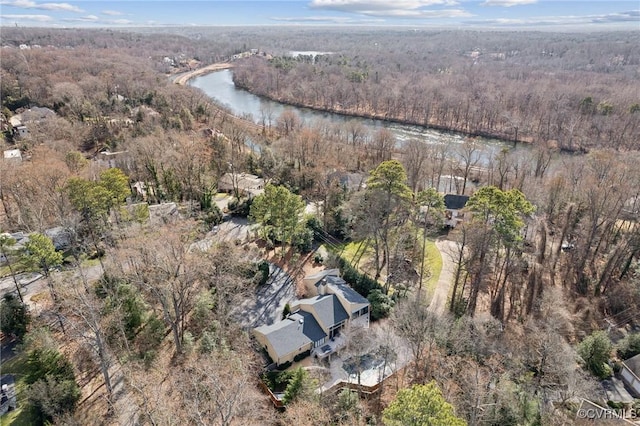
{"x":219,"y":86}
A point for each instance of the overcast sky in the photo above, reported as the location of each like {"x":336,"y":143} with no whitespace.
{"x":513,"y":14}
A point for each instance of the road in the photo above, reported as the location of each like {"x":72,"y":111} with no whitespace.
{"x":32,"y":283}
{"x":184,"y":78}
{"x":440,"y":298}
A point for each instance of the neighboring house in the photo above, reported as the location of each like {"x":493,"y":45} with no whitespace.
{"x":33,"y":115}
{"x":631,"y":374}
{"x":13,"y":154}
{"x":164,"y":213}
{"x":60,"y":237}
{"x":315,"y":323}
{"x":21,"y":131}
{"x":245,"y":183}
{"x":454,"y":205}
{"x":348,"y":181}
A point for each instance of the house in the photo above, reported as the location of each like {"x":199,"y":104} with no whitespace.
{"x":348,"y":181}
{"x":315,"y":324}
{"x":19,"y":129}
{"x":244,"y":183}
{"x":12,"y":154}
{"x":60,"y":236}
{"x":33,"y":115}
{"x":631,"y":374}
{"x":454,"y":205}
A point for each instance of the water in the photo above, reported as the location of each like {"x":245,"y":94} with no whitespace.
{"x":219,"y":86}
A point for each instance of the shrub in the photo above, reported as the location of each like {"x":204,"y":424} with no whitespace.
{"x":53,"y":390}
{"x":381,"y":304}
{"x":629,"y":346}
{"x":286,"y":311}
{"x":312,"y":223}
{"x":302,"y":240}
{"x":302,"y":355}
{"x":150,"y":337}
{"x":284,"y":366}
{"x":240,"y":208}
{"x":361,"y":283}
{"x":595,"y":351}
{"x":263,"y":269}
{"x":213,"y":216}
{"x":52,"y":397}
{"x":14,"y":316}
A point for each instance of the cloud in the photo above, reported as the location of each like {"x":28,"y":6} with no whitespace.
{"x":36,"y":18}
{"x":398,"y":8}
{"x":120,"y":22}
{"x":88,"y":18}
{"x":567,"y":20}
{"x":327,"y":19}
{"x":628,"y":16}
{"x":507,"y":3}
{"x":28,"y":4}
{"x":112,"y":13}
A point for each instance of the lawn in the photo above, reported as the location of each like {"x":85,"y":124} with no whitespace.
{"x":23,"y":414}
{"x":364,"y":257}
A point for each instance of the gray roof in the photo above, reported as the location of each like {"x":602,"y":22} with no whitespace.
{"x":455,"y":202}
{"x":328,"y":308}
{"x":340,"y":286}
{"x":634,"y":364}
{"x":291,"y":334}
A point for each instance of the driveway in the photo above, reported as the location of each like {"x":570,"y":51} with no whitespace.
{"x":266,"y":307}
{"x":440,"y":299}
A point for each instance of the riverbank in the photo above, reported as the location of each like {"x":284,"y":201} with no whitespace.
{"x":384,"y":118}
{"x":184,"y":78}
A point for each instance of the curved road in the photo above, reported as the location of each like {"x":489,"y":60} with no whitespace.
{"x":184,"y":78}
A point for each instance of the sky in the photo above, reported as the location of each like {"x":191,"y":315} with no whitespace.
{"x":553,"y":15}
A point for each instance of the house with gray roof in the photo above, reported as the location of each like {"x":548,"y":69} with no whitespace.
{"x":315,"y":322}
{"x":631,"y":374}
{"x":454,"y":205}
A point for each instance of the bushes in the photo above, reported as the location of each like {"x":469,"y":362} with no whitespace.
{"x":302,"y":240}
{"x":301,"y":356}
{"x":240,"y":208}
{"x":53,"y":390}
{"x":381,"y":304}
{"x":629,"y":346}
{"x":361,"y":283}
{"x":213,"y":216}
{"x":263,"y":273}
{"x":14,"y":316}
{"x":595,"y":351}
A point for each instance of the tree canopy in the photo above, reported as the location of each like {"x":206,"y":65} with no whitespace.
{"x":421,"y":405}
{"x":14,"y":316}
{"x":503,"y":209}
{"x":41,"y":253}
{"x":278,"y":211}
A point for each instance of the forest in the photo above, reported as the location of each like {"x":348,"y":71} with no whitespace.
{"x":135,"y":316}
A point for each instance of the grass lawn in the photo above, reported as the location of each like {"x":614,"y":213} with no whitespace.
{"x":433,"y":262}
{"x":23,"y":414}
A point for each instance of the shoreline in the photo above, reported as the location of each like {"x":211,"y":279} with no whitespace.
{"x":382,"y":118}
{"x":184,"y":78}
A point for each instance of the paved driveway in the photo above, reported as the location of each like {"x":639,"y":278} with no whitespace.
{"x":440,"y":298}
{"x":267,"y":304}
